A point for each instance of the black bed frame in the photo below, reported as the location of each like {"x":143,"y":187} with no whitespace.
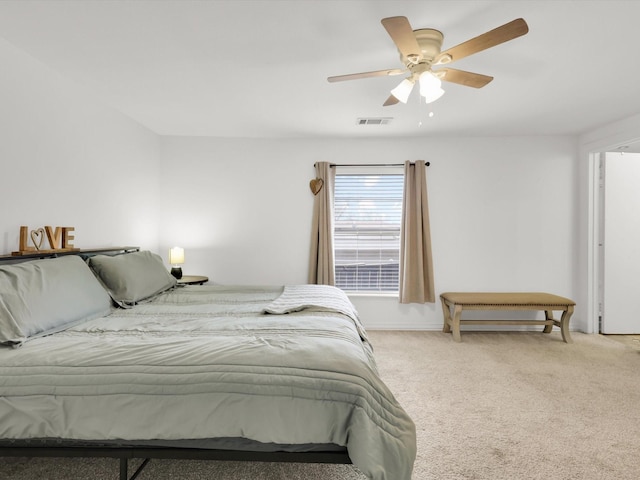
{"x":124,"y":454}
{"x":147,"y":453}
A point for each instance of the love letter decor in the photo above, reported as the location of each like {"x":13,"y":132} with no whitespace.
{"x":60,"y":239}
{"x":316,"y":185}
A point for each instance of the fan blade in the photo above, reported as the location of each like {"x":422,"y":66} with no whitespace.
{"x":468,"y":79}
{"x":390,"y":101}
{"x":376,"y":73}
{"x":506,"y":32}
{"x":402,"y":35}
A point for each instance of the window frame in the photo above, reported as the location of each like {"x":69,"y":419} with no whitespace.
{"x":382,"y":170}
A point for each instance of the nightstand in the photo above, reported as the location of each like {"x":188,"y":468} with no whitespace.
{"x":193,"y":280}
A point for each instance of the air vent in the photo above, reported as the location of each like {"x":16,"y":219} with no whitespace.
{"x":374,"y":121}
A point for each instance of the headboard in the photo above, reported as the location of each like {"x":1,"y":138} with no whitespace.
{"x":85,"y":253}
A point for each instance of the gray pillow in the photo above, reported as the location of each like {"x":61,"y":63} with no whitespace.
{"x":41,"y":297}
{"x":132,"y":277}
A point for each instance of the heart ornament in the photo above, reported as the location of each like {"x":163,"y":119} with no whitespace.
{"x":316,"y":185}
{"x":37,"y":237}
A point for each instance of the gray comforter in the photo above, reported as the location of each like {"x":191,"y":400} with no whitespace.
{"x":204,"y":362}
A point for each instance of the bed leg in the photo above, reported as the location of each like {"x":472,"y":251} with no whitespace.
{"x":123,"y":469}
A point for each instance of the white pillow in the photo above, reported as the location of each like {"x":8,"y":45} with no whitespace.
{"x":41,"y":297}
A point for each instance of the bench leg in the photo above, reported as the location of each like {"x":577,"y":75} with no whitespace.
{"x":548,"y":315}
{"x":446,"y":314}
{"x":455,"y":324}
{"x":451,"y":323}
{"x":564,"y":324}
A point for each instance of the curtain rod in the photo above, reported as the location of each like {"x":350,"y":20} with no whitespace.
{"x":371,"y":164}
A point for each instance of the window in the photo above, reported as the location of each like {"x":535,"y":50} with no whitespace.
{"x":368,"y":212}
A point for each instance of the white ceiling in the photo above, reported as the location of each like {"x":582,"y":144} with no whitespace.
{"x":259,"y":68}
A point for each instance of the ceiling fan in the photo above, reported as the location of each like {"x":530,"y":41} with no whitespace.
{"x":421,"y":49}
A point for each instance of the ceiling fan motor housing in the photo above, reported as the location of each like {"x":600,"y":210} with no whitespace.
{"x":430,"y":42}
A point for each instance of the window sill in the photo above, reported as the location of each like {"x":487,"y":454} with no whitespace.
{"x":372,"y":294}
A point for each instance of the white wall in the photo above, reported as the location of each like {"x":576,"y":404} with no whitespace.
{"x":68,"y":160}
{"x":503,"y":212}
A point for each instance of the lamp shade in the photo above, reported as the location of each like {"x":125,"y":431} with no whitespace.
{"x":430,"y":87}
{"x":176,"y":256}
{"x":402,"y":91}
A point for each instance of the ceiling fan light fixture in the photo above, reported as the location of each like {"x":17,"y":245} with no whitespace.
{"x":430,"y":87}
{"x":402,"y":91}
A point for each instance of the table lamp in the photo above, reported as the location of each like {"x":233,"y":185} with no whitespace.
{"x":176,"y":258}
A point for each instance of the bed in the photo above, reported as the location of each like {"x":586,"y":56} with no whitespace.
{"x":109,"y":357}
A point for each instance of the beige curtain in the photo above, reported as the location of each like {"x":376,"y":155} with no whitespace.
{"x":321,"y":263}
{"x":416,"y":267}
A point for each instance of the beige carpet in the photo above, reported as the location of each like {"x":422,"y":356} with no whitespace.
{"x":496,"y":406}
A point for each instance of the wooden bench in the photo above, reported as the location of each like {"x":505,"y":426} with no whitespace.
{"x":453,"y":303}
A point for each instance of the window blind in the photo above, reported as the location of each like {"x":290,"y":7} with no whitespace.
{"x":368,"y":212}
